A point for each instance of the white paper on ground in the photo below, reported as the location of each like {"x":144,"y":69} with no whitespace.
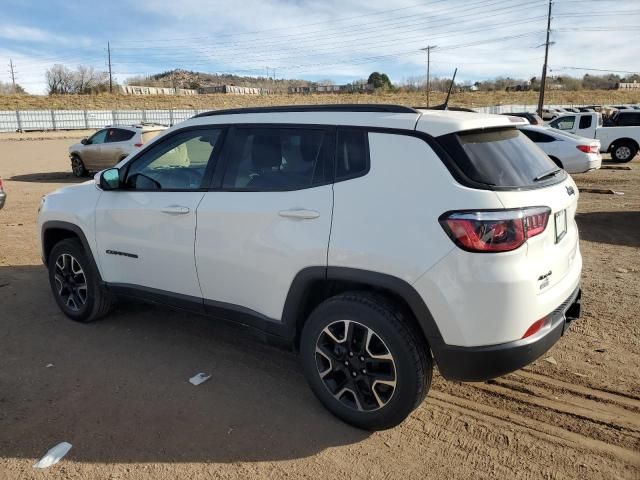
{"x":54,"y":455}
{"x":199,"y":378}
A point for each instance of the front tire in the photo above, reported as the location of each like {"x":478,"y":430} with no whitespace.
{"x":75,"y":283}
{"x":623,"y":152}
{"x":77,"y":167}
{"x":364,"y":362}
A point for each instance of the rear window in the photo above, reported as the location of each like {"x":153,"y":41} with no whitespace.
{"x":501,"y":158}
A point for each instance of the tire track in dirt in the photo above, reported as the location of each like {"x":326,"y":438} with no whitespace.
{"x":550,"y":432}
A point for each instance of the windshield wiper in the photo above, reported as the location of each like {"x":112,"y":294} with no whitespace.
{"x":550,"y":173}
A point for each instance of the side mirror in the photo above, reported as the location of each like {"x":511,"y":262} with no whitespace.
{"x":110,"y":179}
{"x":84,"y":141}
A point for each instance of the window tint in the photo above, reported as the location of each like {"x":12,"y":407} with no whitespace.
{"x":178,"y":162}
{"x":502,"y":158}
{"x":98,"y":137}
{"x":352,"y":156}
{"x":585,"y":121}
{"x":119,"y":135}
{"x":271,"y":159}
{"x":628,"y":119}
{"x":565,"y":123}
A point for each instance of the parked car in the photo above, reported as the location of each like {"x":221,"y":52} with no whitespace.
{"x":571,"y":109}
{"x":3,"y":195}
{"x":551,"y":113}
{"x":586,"y":109}
{"x":620,"y":141}
{"x":372,"y":239}
{"x":532,"y":117}
{"x":573,"y":153}
{"x":108,"y":146}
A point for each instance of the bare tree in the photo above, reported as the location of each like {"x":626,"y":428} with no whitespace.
{"x":61,"y":80}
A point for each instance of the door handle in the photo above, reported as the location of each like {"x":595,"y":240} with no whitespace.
{"x":175,"y":210}
{"x":299,"y":213}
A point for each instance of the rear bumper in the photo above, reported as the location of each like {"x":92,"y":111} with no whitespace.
{"x":475,"y":364}
{"x":3,"y":196}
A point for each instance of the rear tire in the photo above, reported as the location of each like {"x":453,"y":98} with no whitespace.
{"x":623,"y":152}
{"x":364,"y":362}
{"x":75,"y":283}
{"x":77,"y":167}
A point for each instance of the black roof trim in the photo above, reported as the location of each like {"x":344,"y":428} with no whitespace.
{"x":353,"y":107}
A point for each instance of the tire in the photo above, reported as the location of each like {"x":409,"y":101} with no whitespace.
{"x":381,"y":392}
{"x":77,"y":167}
{"x":623,"y":152}
{"x":75,"y":283}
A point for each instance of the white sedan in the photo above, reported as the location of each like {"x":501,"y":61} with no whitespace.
{"x":573,"y":153}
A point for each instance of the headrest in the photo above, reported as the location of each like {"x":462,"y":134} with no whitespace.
{"x":266,"y":151}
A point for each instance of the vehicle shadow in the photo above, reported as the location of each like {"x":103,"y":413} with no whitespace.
{"x":118,"y":389}
{"x":615,"y":228}
{"x":49,"y":177}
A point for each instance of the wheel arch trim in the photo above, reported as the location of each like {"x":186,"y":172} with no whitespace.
{"x":77,"y":231}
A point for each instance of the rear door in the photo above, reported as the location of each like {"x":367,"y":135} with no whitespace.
{"x":268,"y":217}
{"x":116,"y":147}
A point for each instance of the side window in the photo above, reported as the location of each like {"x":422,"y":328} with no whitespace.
{"x":119,"y":135}
{"x":544,"y":138}
{"x":177,"y":163}
{"x":272,"y":159}
{"x":531,"y":135}
{"x":566,"y":123}
{"x":629,"y":119}
{"x":98,"y":137}
{"x":352,"y":155}
{"x":585,"y":121}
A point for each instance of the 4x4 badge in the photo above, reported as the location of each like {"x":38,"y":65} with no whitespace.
{"x":570,"y":190}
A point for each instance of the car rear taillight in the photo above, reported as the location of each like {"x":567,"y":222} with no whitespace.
{"x":138,"y":145}
{"x":1,"y":186}
{"x":587,"y":148}
{"x":494,"y":230}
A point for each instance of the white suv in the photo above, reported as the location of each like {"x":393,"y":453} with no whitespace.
{"x":373,"y":239}
{"x":108,"y":146}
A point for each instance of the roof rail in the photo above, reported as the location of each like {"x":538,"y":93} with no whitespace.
{"x":353,"y":107}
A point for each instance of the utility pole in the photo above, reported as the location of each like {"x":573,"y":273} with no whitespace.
{"x":428,"y":49}
{"x":543,"y":80}
{"x":12,"y":71}
{"x":109,"y":59}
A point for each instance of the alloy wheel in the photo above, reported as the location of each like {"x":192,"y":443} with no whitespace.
{"x":355,"y":365}
{"x":76,"y":167}
{"x":623,"y":152}
{"x":71,"y":282}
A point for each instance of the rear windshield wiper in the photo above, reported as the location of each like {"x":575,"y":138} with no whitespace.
{"x":548,"y":174}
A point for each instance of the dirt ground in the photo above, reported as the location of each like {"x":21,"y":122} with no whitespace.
{"x":118,"y":389}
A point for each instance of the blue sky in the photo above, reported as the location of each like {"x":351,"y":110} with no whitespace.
{"x":342,"y":40}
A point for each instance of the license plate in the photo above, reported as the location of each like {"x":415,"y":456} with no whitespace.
{"x":560,"y":220}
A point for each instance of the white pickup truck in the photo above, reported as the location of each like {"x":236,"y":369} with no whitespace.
{"x":622,"y":142}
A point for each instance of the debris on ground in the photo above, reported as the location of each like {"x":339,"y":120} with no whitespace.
{"x":199,"y":378}
{"x":551,"y":360}
{"x":48,"y":365}
{"x":600,"y":350}
{"x":580,"y":374}
{"x":54,"y":455}
{"x":622,"y":270}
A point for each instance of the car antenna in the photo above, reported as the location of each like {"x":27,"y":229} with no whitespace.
{"x":446,"y":102}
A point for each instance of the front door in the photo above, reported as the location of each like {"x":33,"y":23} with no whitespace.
{"x":269,"y":218}
{"x":146,"y":229}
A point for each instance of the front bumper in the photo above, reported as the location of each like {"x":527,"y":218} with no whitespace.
{"x":475,"y":364}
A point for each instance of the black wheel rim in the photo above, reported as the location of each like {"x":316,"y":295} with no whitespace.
{"x":71,"y":282}
{"x":76,"y":166}
{"x":355,"y":365}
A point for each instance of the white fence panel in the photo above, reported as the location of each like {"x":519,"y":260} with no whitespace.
{"x":69,"y":119}
{"x":8,"y":121}
{"x":99,"y":118}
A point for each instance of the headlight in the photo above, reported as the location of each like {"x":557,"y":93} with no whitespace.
{"x":42,"y":200}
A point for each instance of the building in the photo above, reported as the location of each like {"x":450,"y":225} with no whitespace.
{"x":348,"y":88}
{"x":628,"y":86}
{"x":139,"y":90}
{"x":234,"y":90}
